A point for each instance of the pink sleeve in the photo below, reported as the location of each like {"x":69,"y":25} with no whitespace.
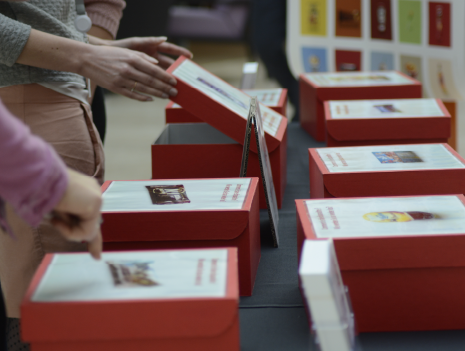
{"x":105,"y":13}
{"x":33,"y":178}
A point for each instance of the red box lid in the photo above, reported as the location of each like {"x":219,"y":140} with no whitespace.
{"x":365,"y":85}
{"x":221,"y":105}
{"x":129,"y":319}
{"x":387,"y":119}
{"x":211,"y":224}
{"x":398,"y":251}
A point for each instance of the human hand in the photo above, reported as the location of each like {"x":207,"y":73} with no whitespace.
{"x":77,"y":215}
{"x":154,"y":47}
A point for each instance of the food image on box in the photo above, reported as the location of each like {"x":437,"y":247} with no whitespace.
{"x":441,"y":79}
{"x":148,"y":195}
{"x":399,"y":108}
{"x":132,"y":273}
{"x":396,"y":157}
{"x":168,"y":194}
{"x":384,"y":216}
{"x":357,"y":79}
{"x":314,"y":59}
{"x":313,"y":17}
{"x":376,"y":158}
{"x":135,"y":275}
{"x":382,"y":61}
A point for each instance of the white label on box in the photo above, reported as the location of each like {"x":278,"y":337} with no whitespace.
{"x":400,"y":108}
{"x":268,"y":97}
{"x":388,"y":158}
{"x":134,"y":275}
{"x":370,"y":217}
{"x":358,"y":79}
{"x":176,"y":195}
{"x":220,"y":91}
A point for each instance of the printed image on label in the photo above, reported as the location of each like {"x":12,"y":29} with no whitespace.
{"x":132,"y":273}
{"x":168,"y":194}
{"x":379,"y":78}
{"x":376,"y":158}
{"x":383,"y":216}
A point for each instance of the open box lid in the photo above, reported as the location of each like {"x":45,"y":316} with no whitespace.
{"x":367,"y":170}
{"x":206,"y":209}
{"x":221,"y":105}
{"x":387,"y":119}
{"x":389,"y":232}
{"x":73,"y":297}
{"x":330,"y":85}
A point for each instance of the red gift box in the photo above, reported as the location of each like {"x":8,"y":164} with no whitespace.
{"x":396,"y":282}
{"x":165,"y":324}
{"x":386,"y":170}
{"x":141,"y":228}
{"x":199,"y":151}
{"x":315,"y":88}
{"x":386,"y":122}
{"x":276,"y":99}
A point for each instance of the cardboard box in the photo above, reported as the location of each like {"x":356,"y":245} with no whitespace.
{"x":276,"y":99}
{"x":386,"y":170}
{"x":76,"y":303}
{"x":386,"y":122}
{"x":208,"y":213}
{"x":401,"y":257}
{"x":315,"y":88}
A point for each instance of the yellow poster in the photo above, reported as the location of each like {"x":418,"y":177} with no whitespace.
{"x":313,"y":17}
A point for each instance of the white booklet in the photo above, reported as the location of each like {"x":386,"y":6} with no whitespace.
{"x":385,"y":216}
{"x":399,"y":108}
{"x":133,"y":275}
{"x":176,"y":195}
{"x":388,"y":158}
{"x":358,"y":79}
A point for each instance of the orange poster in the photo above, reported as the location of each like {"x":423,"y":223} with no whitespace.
{"x":348,"y":18}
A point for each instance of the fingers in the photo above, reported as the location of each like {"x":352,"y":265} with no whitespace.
{"x":164,"y":61}
{"x":95,"y":246}
{"x":171,"y":49}
{"x":149,"y":85}
{"x":152,"y":70}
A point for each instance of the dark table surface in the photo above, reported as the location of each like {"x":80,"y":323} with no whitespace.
{"x":274,"y":318}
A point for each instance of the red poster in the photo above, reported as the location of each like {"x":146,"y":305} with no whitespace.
{"x":439,"y":23}
{"x":381,"y":19}
{"x":348,"y":60}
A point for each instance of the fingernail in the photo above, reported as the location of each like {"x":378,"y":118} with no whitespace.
{"x":154,"y":60}
{"x":173,"y":92}
{"x":164,"y":38}
{"x":172,"y":82}
{"x":149,"y":99}
{"x":164,"y":96}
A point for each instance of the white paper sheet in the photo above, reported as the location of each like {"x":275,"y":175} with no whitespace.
{"x":400,"y":108}
{"x":388,"y":158}
{"x":358,"y":79}
{"x":220,"y":91}
{"x":268,"y":97}
{"x":204,"y":194}
{"x":346,"y":218}
{"x":178,"y":274}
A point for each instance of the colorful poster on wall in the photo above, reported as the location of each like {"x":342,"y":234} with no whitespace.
{"x":313,"y":17}
{"x":441,"y":80}
{"x":348,"y":60}
{"x":439,"y":23}
{"x":411,"y":66}
{"x":348,"y":18}
{"x":410,"y":21}
{"x":382,"y":61}
{"x":381,"y":19}
{"x":314,"y":59}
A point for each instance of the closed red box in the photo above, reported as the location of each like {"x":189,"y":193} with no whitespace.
{"x":396,"y":282}
{"x":167,"y":324}
{"x":315,"y":88}
{"x":380,"y":171}
{"x":386,"y":122}
{"x":126,"y":227}
{"x":199,"y":151}
{"x":276,"y":99}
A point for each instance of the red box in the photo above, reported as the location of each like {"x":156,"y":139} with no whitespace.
{"x":386,"y":122}
{"x":198,"y":151}
{"x":411,"y":180}
{"x":276,"y":99}
{"x":128,"y":229}
{"x":398,"y":282}
{"x":194,"y":323}
{"x":315,"y":88}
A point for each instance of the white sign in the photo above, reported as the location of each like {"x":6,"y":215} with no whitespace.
{"x":388,"y":158}
{"x":134,"y":275}
{"x":400,"y":108}
{"x":176,"y":195}
{"x":358,"y":79}
{"x":370,"y":217}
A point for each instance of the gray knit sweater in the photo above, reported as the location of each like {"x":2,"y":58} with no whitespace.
{"x":16,"y":20}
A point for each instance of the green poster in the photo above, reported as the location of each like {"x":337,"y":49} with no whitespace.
{"x":410,"y":21}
